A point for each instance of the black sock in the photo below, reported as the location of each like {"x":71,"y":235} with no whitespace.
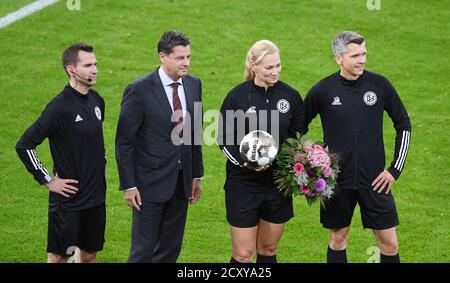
{"x":232,"y":260}
{"x":266,"y":259}
{"x":336,"y":256}
{"x":389,"y":258}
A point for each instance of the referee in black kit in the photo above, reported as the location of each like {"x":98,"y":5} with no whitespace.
{"x":256,"y":210}
{"x":351,"y":103}
{"x":72,"y":122}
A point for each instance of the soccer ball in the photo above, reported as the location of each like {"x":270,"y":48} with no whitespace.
{"x":258,"y":148}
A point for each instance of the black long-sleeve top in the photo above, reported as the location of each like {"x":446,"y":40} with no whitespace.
{"x":73,"y":124}
{"x":351,"y":113}
{"x":254,"y":102}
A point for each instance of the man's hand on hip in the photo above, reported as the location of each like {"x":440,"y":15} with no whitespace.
{"x":62,"y":186}
{"x":384,"y":179}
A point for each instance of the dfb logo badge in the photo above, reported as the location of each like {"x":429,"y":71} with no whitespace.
{"x":283,"y":106}
{"x":98,"y":113}
{"x":370,"y":98}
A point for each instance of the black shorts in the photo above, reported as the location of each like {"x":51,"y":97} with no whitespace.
{"x":84,"y":229}
{"x":245,"y":209}
{"x":378,"y":210}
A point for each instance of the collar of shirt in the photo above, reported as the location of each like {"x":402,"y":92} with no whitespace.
{"x":261,"y":92}
{"x":166,"y":81}
{"x":347,"y":82}
{"x":82,"y":97}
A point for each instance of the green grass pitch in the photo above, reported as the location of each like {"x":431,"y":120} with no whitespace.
{"x":407,"y":41}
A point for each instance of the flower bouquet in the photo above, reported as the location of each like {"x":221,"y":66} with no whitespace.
{"x":306,"y":168}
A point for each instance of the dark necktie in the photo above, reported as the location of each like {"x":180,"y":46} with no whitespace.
{"x":177,"y":108}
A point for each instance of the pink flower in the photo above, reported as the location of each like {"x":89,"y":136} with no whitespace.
{"x":319,"y":158}
{"x":306,"y":191}
{"x":300,"y":157}
{"x":318,"y":148}
{"x":298,"y":168}
{"x":327,"y":172}
{"x":309,"y":149}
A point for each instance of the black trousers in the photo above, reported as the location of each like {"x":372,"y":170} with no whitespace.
{"x":158,"y":229}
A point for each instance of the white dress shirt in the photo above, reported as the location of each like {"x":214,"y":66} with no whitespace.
{"x":167,"y":81}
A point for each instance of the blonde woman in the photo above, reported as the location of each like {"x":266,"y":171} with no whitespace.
{"x":256,"y":210}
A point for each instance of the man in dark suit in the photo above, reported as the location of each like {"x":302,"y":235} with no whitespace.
{"x":158,"y":151}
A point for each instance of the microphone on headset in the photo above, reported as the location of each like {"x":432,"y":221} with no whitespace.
{"x":88,"y":79}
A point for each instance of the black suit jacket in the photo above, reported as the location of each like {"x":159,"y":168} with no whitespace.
{"x":146,"y":156}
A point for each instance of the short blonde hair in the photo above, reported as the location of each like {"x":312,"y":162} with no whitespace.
{"x":256,"y":54}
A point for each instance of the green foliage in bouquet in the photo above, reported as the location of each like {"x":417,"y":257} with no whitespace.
{"x":306,"y":168}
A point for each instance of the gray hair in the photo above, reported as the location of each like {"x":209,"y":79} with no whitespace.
{"x":341,"y":40}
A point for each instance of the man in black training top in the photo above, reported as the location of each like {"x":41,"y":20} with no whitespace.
{"x":351,"y":104}
{"x":72,"y":122}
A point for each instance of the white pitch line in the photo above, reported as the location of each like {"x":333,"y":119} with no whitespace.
{"x":25,"y":11}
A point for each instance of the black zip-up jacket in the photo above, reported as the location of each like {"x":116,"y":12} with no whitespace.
{"x":73,"y":124}
{"x":250,"y":99}
{"x":352,"y":120}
